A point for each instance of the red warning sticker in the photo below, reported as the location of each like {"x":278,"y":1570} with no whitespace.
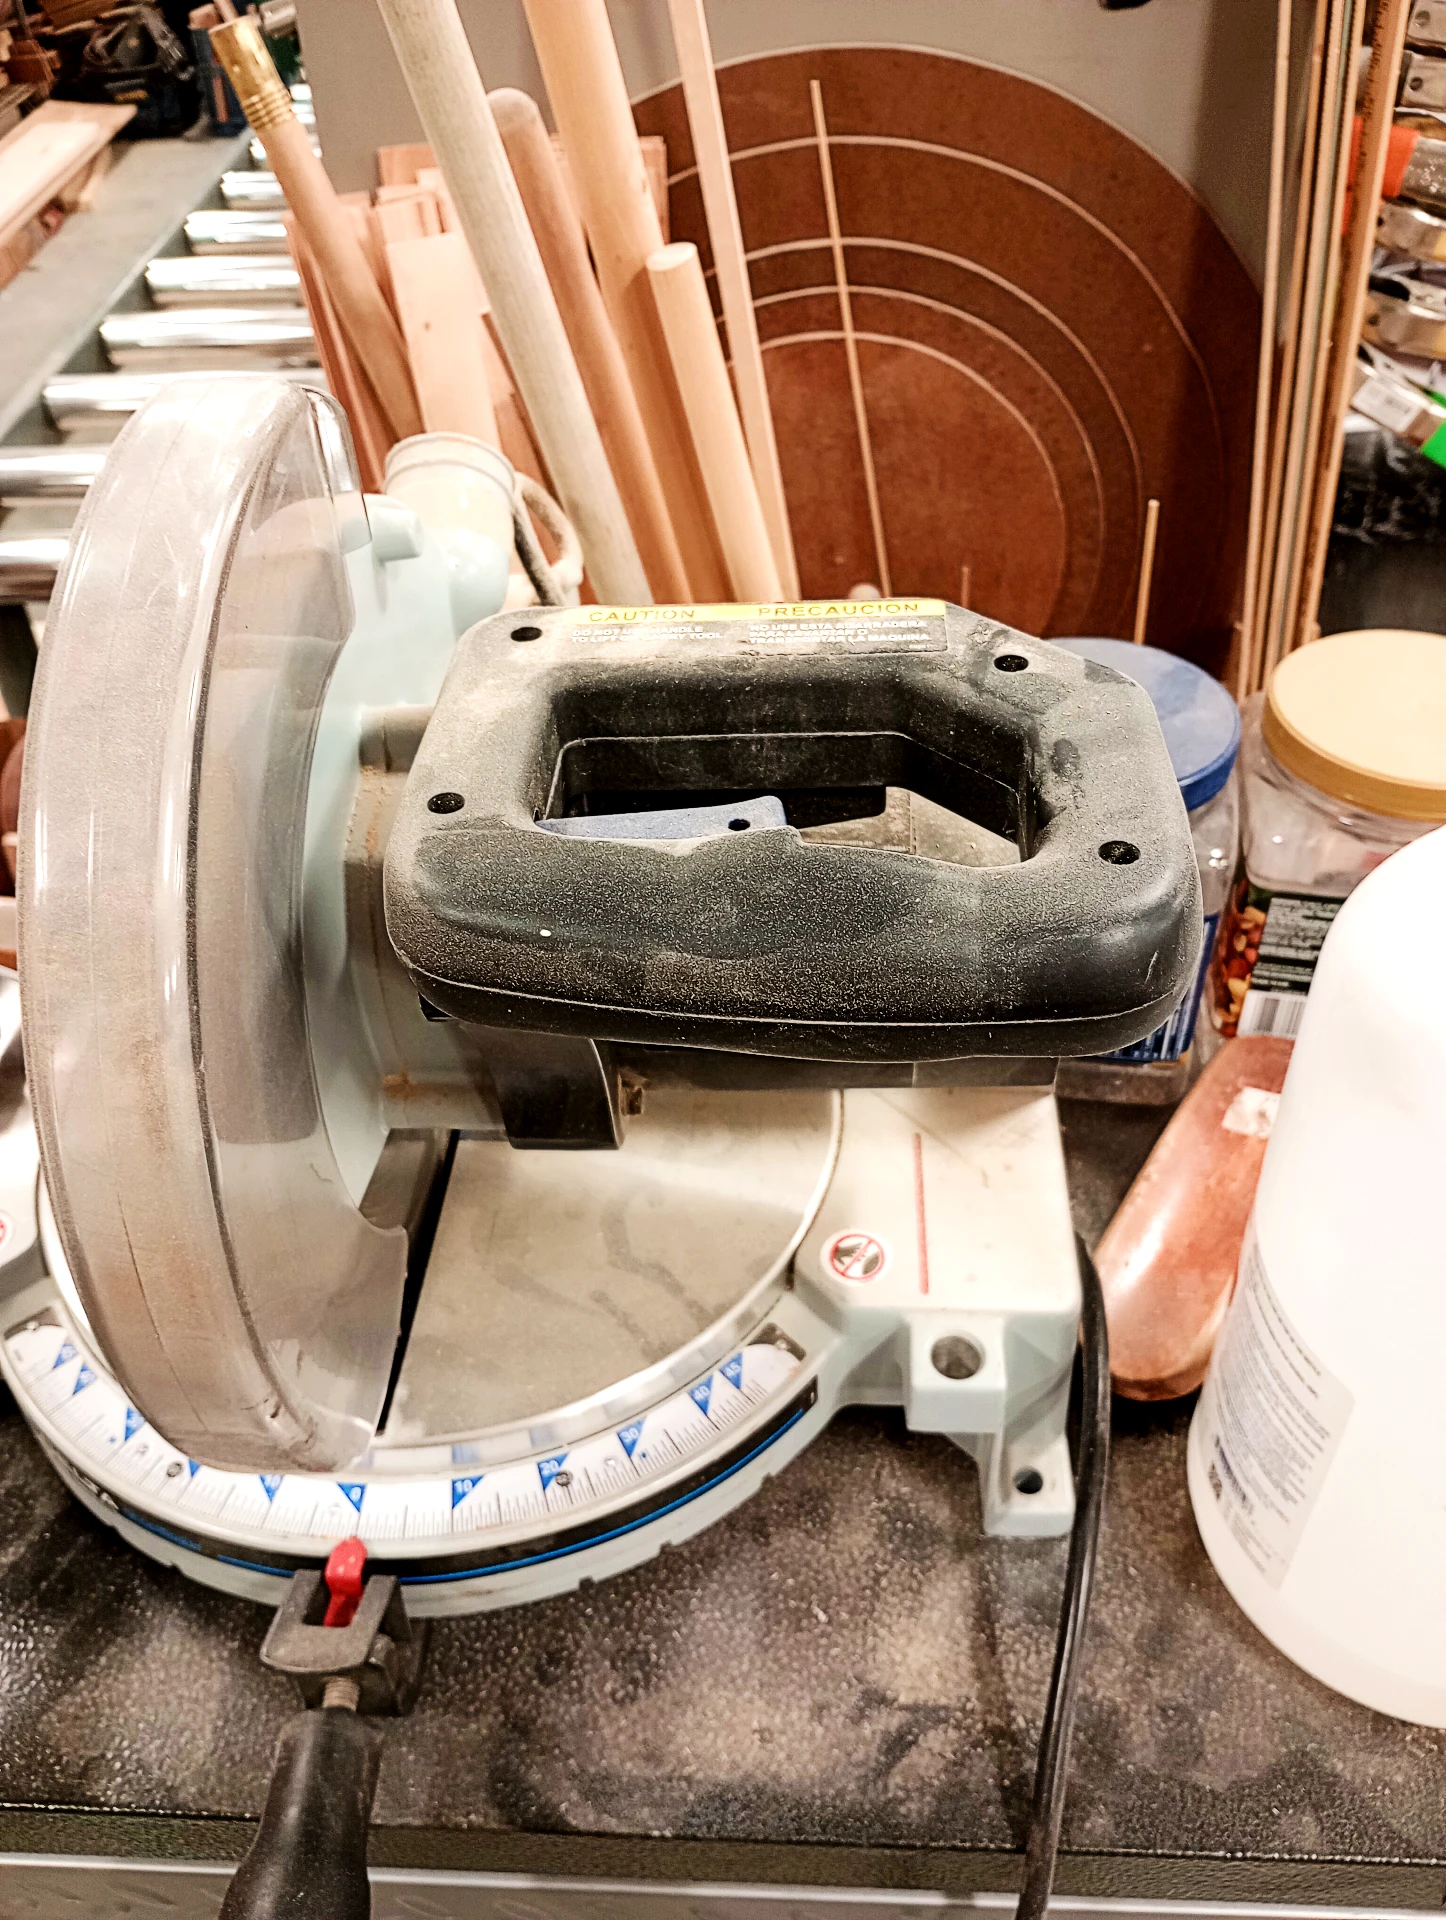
{"x":856,"y":1255}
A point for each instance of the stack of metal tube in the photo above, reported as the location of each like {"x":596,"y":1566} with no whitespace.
{"x":229,"y":304}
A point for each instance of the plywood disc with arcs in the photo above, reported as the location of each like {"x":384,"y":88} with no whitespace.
{"x":1052,"y":330}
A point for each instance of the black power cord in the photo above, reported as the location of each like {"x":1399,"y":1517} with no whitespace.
{"x":1051,"y":1771}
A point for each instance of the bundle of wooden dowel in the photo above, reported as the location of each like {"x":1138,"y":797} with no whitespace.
{"x":520,"y":288}
{"x":1329,"y":148}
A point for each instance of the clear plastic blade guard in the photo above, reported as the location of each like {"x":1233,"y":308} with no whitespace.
{"x":243,"y":1301}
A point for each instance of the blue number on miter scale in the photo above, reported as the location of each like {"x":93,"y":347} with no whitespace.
{"x":549,"y":1469}
{"x":702,"y":1394}
{"x":461,"y":1488}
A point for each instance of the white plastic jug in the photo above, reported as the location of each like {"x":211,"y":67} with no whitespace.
{"x":1317,"y":1455}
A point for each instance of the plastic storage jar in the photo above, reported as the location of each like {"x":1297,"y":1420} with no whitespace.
{"x":1343,"y":762}
{"x":1201,"y":725}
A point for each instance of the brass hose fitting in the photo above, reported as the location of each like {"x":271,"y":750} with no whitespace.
{"x":252,"y":72}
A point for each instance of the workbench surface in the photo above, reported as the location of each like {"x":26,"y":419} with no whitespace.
{"x":840,"y":1684}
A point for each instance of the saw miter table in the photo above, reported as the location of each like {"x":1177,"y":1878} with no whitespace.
{"x":504,"y":1083}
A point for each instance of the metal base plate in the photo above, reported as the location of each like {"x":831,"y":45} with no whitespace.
{"x":568,"y":1290}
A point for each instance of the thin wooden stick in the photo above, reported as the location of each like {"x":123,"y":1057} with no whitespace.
{"x":702,"y":375}
{"x":851,"y":348}
{"x":1377,"y":116}
{"x":1147,"y":571}
{"x":964,"y":585}
{"x":1290,"y":350}
{"x":447,"y":91}
{"x":557,"y":227}
{"x":1265,"y":367}
{"x":371,"y":436}
{"x":1315,"y":289}
{"x":1286,"y":635}
{"x":365,"y":316}
{"x":730,"y":263}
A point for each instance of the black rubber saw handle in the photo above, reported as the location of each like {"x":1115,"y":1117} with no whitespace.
{"x":762,"y":941}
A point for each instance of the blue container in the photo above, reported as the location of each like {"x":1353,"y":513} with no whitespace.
{"x":1201,"y":725}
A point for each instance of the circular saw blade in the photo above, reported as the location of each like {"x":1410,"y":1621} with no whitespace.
{"x":248,"y":1308}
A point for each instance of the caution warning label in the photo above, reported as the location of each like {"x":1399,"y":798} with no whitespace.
{"x":877,"y":626}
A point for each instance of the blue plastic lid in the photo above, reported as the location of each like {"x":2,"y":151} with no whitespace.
{"x":1200,"y":721}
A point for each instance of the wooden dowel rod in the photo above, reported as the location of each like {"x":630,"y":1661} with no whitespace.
{"x":730,"y":263}
{"x":1147,"y":571}
{"x":1377,"y":117}
{"x":579,"y":61}
{"x":851,"y":347}
{"x":1289,"y":635}
{"x":370,"y":436}
{"x":1265,"y":364}
{"x":702,"y":374}
{"x":1327,"y":176}
{"x":558,"y":231}
{"x":1290,"y":347}
{"x":447,"y":91}
{"x":364,"y":315}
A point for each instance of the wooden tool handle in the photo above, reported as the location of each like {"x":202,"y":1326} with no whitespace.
{"x":560,"y":241}
{"x":447,"y":91}
{"x":702,"y":375}
{"x":364,"y":315}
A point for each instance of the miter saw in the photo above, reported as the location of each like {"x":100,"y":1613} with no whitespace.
{"x":503,"y":1083}
{"x":343,"y":934}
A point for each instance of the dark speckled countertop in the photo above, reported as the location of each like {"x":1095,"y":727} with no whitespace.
{"x":841,"y":1684}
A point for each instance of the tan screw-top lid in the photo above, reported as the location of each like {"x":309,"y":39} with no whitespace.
{"x":1362,"y":716}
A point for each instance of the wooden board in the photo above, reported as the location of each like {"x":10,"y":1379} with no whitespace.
{"x":440,"y":304}
{"x":654,"y":149}
{"x":406,"y":213}
{"x":399,"y":166}
{"x":48,"y":149}
{"x":430,"y":180}
{"x":404,"y":166}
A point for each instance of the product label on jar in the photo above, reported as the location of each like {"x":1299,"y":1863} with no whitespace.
{"x":1271,"y":1417}
{"x":1172,"y":1040}
{"x":1265,"y":959}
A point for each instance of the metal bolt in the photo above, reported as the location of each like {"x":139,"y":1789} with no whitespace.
{"x":341,"y":1691}
{"x":956,"y":1358}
